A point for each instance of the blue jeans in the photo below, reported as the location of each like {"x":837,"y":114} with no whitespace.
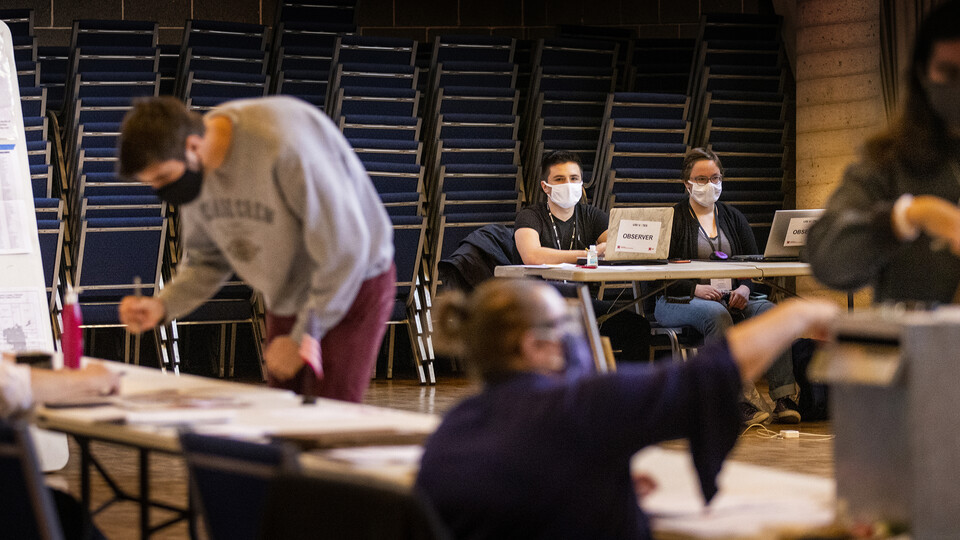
{"x":713,"y":319}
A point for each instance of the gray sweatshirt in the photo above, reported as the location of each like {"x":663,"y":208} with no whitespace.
{"x":291,"y":210}
{"x":853,"y":244}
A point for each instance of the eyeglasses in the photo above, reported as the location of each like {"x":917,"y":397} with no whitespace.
{"x":551,"y":330}
{"x":702,"y":180}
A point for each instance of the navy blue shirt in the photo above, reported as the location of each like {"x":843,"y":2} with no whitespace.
{"x":536,"y":456}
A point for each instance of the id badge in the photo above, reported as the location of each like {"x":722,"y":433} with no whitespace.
{"x":722,"y":285}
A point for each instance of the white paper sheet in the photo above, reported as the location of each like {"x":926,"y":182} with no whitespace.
{"x":9,"y":172}
{"x":21,"y":311}
{"x":752,"y":500}
{"x":14,"y":236}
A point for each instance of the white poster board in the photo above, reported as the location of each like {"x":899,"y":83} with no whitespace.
{"x":24,"y":314}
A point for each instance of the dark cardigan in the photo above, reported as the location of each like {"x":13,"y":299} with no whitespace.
{"x":683,"y":240}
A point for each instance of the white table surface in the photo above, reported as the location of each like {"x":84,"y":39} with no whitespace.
{"x":240,"y":410}
{"x":691,"y":270}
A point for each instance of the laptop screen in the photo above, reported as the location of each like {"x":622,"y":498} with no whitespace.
{"x":788,"y":232}
{"x":639,"y":233}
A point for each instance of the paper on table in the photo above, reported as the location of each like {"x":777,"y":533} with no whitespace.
{"x":751,"y":500}
{"x":371,"y":456}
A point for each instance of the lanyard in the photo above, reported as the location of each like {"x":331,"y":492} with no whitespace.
{"x":707,"y":236}
{"x":556,"y":232}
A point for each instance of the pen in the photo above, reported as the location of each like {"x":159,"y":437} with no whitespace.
{"x":137,"y":286}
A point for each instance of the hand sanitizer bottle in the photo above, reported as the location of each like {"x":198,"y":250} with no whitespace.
{"x":592,"y":257}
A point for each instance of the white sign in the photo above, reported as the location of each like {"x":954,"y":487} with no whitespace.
{"x":797,"y":231}
{"x":637,"y":236}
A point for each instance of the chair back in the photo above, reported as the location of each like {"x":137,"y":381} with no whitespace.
{"x":301,"y":507}
{"x":231,"y":478}
{"x":26,"y":506}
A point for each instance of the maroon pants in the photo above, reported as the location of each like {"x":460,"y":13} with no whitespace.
{"x":349,"y":349}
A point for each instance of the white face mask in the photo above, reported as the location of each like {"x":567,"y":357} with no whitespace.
{"x":705,"y":195}
{"x":565,"y":195}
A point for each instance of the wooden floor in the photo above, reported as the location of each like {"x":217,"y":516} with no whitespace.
{"x":169,"y":479}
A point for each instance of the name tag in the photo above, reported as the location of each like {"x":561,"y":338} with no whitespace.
{"x":797,"y":231}
{"x":722,"y":285}
{"x":637,"y":236}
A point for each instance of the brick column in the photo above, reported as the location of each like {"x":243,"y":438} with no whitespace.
{"x":839,"y":99}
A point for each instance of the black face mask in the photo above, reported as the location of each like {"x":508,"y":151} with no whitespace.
{"x":182,"y":190}
{"x":945,"y":101}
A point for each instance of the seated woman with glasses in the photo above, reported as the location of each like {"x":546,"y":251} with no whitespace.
{"x":705,"y":228}
{"x":537,"y":454}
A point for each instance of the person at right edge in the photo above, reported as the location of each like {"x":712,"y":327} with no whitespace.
{"x":894,"y":222}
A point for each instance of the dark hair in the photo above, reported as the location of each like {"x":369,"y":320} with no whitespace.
{"x":917,"y":138}
{"x":556,"y":158}
{"x":486,"y":327}
{"x":698,"y":154}
{"x":155,"y":129}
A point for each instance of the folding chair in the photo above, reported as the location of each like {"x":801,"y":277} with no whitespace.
{"x":102,"y":242}
{"x":26,"y":506}
{"x":230,"y":478}
{"x":331,"y":505}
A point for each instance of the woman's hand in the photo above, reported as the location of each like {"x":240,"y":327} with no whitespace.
{"x":708,"y":292}
{"x":738,"y":297}
{"x":938,"y":218}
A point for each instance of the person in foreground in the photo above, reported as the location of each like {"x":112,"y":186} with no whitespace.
{"x":702,"y":227}
{"x":269,"y":188}
{"x":22,"y":386}
{"x":540,"y":455}
{"x":894,"y":222}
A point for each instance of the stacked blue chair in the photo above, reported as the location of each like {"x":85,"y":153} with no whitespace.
{"x":335,"y":12}
{"x":101,"y":242}
{"x":304,"y":39}
{"x":661,"y":65}
{"x":473,"y":160}
{"x":302,"y":54}
{"x":221,"y":61}
{"x":53,"y":60}
{"x":111,"y":63}
{"x":169,"y":62}
{"x":625,"y":39}
{"x":569,"y":85}
{"x":738,"y":86}
{"x":640,"y":155}
{"x":374,"y":100}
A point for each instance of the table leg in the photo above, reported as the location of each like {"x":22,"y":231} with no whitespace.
{"x":84,"y":472}
{"x":144,"y":493}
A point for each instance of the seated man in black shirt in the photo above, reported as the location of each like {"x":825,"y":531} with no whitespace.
{"x":561,"y":230}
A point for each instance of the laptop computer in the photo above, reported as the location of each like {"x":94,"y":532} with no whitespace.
{"x":637,"y":236}
{"x":788,"y":236}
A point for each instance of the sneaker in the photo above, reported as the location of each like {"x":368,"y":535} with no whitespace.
{"x":750,"y":414}
{"x":785,"y":412}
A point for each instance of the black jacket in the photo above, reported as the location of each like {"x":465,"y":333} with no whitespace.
{"x":478,"y":254}
{"x":683,"y":240}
